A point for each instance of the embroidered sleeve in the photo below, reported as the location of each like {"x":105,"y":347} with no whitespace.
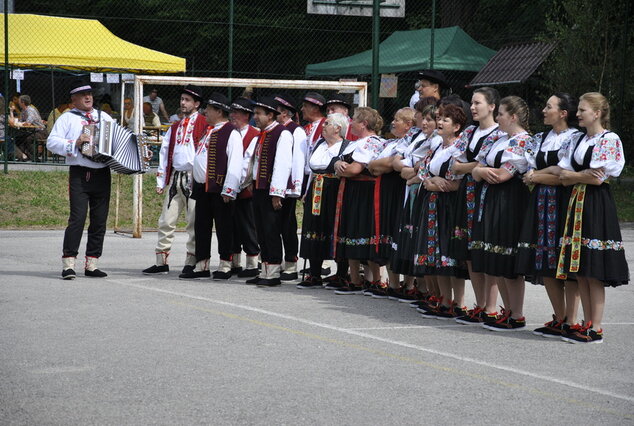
{"x":514,"y":157}
{"x":608,"y":154}
{"x":531,"y":152}
{"x":462,"y":144}
{"x":368,"y":150}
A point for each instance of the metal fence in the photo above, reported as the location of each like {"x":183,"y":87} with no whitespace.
{"x":278,"y":40}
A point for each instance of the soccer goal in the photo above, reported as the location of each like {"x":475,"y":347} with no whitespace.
{"x":296,"y":88}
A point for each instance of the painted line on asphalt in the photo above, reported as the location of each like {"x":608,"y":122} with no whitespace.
{"x":383,"y":340}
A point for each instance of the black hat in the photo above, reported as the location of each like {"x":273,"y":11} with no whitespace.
{"x":338,"y":98}
{"x":434,"y":76}
{"x":315,"y":99}
{"x":268,"y":103}
{"x":194,"y":91}
{"x":242,"y":104}
{"x":220,"y":101}
{"x":78,"y":86}
{"x":286,"y":101}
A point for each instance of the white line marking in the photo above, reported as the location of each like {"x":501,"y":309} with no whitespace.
{"x":384,"y":340}
{"x":404,"y":327}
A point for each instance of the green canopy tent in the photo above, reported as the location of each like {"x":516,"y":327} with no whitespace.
{"x":409,"y":51}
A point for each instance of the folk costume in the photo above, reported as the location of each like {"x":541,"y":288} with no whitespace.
{"x":472,"y":140}
{"x":500,"y":208}
{"x":591,"y":242}
{"x":293,"y":191}
{"x":321,"y":204}
{"x":244,"y":234}
{"x":217,"y":173}
{"x":340,"y":99}
{"x":357,"y":220}
{"x":174,"y":175}
{"x":539,"y":244}
{"x":88,"y":186}
{"x":269,"y":171}
{"x":403,"y":243}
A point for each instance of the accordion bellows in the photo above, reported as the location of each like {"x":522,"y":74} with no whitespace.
{"x":117,"y":147}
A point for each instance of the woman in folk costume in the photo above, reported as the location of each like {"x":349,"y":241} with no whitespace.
{"x":484,"y":105}
{"x":408,"y":164}
{"x":317,"y":242}
{"x":356,"y":229}
{"x":539,"y":244}
{"x":499,"y":214}
{"x":592,"y":248}
{"x":392,"y":191}
{"x":438,"y":206}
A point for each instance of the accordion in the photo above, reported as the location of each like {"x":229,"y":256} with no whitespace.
{"x":117,"y":147}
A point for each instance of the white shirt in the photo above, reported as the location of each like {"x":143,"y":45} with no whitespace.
{"x":323,"y":154}
{"x":367,"y":149}
{"x":311,"y":140}
{"x":231,"y":185}
{"x":184,"y":150}
{"x":281,"y":165}
{"x":299,"y":160}
{"x":552,"y":142}
{"x":65,"y":133}
{"x":514,"y":153}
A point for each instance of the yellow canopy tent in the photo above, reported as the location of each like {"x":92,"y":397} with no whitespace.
{"x":78,"y":45}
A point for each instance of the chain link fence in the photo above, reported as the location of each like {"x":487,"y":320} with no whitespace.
{"x":278,"y":40}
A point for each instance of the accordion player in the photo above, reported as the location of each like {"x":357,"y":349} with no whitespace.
{"x":117,"y":147}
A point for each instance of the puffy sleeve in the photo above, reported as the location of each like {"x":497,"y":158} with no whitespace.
{"x":281,"y":166}
{"x":368,"y":150}
{"x":231,"y":186}
{"x":460,"y":146}
{"x":566,"y":152}
{"x":162,"y":165}
{"x":514,"y":157}
{"x":608,"y":154}
{"x":531,"y":152}
{"x":59,"y":141}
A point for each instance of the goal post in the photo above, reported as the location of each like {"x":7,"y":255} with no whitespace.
{"x":359,"y":87}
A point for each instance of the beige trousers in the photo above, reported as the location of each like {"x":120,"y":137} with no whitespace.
{"x":169,"y":216}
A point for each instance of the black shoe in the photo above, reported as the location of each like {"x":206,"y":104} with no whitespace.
{"x":335,"y":284}
{"x":95,"y":273}
{"x":284,"y":276}
{"x":248,"y":273}
{"x":217,"y":275}
{"x":269,"y":282}
{"x":187,"y":269}
{"x":235,"y":270}
{"x":254,"y":280}
{"x":310,"y":282}
{"x":156,"y":270}
{"x":68,"y":274}
{"x":194,"y":275}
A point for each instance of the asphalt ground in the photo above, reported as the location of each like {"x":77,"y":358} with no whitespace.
{"x":131,"y":350}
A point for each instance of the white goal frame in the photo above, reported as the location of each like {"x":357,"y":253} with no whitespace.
{"x":140,"y":80}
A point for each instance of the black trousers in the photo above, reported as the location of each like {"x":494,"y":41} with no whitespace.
{"x":244,"y":234}
{"x":289,"y":229}
{"x":268,"y":223}
{"x":210,"y":209}
{"x":87,"y":188}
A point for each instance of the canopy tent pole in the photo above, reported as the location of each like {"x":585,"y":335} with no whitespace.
{"x":376,"y":28}
{"x":6,"y":87}
{"x":431,"y":39}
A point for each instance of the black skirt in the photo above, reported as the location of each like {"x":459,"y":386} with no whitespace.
{"x":391,"y":203}
{"x":404,"y":240}
{"x":356,"y":234}
{"x":539,"y":243}
{"x":601,"y":253}
{"x":497,"y":224}
{"x":463,"y":218}
{"x":318,"y":224}
{"x":431,"y":251}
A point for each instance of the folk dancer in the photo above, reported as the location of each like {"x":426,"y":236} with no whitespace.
{"x":176,"y":160}
{"x":217,"y":173}
{"x":269,"y":170}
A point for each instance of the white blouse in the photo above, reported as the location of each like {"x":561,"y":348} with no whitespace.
{"x":607,"y":153}
{"x":552,"y":142}
{"x":514,"y":153}
{"x":367,"y":149}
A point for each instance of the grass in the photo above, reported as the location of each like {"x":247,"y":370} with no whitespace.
{"x":39,"y":200}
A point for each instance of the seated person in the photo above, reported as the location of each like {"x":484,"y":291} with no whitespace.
{"x":55,"y":113}
{"x":127,"y":119}
{"x":30,"y":118}
{"x":150,"y":118}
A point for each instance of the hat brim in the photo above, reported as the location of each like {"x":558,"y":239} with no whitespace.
{"x":192,"y":94}
{"x":218,"y":105}
{"x":266,"y":107}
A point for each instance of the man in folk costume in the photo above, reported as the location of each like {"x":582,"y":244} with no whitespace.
{"x":287,"y":110}
{"x":173,"y":178}
{"x":217,"y":174}
{"x":244,"y":233}
{"x":338,"y":104}
{"x":88,"y":181}
{"x":269,"y":156}
{"x":314,"y":111}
